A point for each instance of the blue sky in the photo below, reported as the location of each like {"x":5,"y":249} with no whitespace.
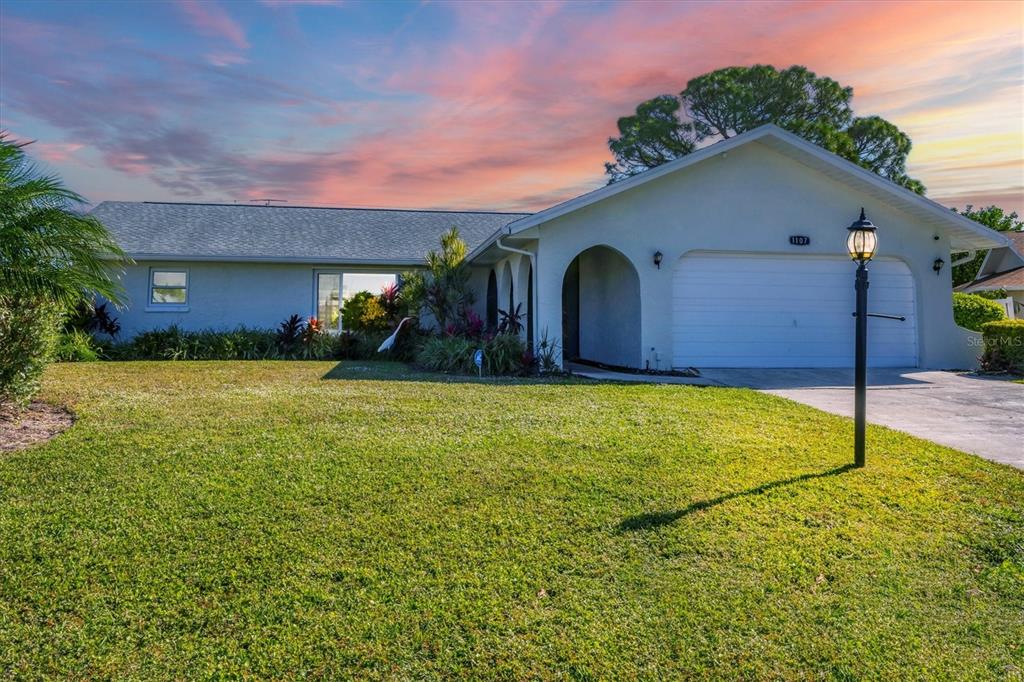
{"x":470,"y":105}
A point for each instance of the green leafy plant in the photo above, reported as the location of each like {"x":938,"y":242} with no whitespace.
{"x":453,"y":354}
{"x":505,"y":355}
{"x":52,"y":257}
{"x":511,"y":321}
{"x":444,"y":290}
{"x":352,"y":310}
{"x":289,"y":333}
{"x":92,"y":318}
{"x":971,"y":311}
{"x":75,"y":345}
{"x":547,"y":354}
{"x":1004,"y":346}
{"x":28,"y":338}
{"x":49,"y":249}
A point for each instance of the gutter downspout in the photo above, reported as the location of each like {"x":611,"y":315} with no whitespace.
{"x":536,"y":289}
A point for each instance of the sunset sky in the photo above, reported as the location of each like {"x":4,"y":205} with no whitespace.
{"x":470,"y":105}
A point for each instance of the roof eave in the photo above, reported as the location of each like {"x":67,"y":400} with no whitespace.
{"x":305,"y":260}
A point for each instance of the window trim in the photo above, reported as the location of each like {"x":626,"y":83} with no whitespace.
{"x":341,"y":272}
{"x":316,"y":294}
{"x":157,"y":306}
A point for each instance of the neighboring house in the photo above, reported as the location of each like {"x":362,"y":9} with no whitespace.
{"x":731,"y":289}
{"x":1003,"y":270}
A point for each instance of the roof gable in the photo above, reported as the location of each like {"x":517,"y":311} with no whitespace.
{"x":964,"y":233}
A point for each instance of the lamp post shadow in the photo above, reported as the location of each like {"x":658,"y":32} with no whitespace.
{"x":658,"y":519}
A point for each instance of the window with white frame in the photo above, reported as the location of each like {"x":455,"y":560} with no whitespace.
{"x":328,"y":299}
{"x":168,"y":287}
{"x":334,"y":288}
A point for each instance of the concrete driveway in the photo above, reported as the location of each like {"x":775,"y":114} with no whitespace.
{"x":977,"y":414}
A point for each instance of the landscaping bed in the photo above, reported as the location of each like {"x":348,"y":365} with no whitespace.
{"x":364,"y":520}
{"x":37,"y":423}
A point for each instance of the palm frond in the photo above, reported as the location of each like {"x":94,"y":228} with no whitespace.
{"x":50,"y":249}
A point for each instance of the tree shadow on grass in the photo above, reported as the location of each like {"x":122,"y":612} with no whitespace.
{"x":658,"y":519}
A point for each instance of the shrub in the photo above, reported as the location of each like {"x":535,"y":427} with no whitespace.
{"x":374,"y":317}
{"x":353,"y":309}
{"x":289,"y":333}
{"x":547,"y":351}
{"x":28,"y":336}
{"x":971,"y":311}
{"x":1004,"y":346}
{"x":76,"y":345}
{"x":89,"y":317}
{"x":174,"y":344}
{"x":505,"y":355}
{"x":452,"y":354}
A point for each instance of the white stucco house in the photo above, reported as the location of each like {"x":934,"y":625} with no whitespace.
{"x":1002,"y":270}
{"x":733,"y":256}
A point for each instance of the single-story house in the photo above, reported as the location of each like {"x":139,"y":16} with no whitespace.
{"x":1003,"y":270}
{"x":733,"y":256}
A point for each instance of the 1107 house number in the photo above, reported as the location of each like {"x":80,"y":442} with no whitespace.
{"x":799,"y":240}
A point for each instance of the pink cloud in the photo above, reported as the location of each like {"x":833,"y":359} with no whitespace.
{"x":211,"y":20}
{"x":55,"y":152}
{"x":514,"y":109}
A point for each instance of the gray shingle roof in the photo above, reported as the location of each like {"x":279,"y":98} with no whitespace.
{"x":285,"y":233}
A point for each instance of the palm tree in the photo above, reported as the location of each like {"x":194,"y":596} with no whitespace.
{"x":49,"y":250}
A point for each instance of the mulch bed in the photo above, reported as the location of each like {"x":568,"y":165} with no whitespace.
{"x":37,"y":423}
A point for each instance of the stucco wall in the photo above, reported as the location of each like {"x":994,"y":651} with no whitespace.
{"x":749,"y":200}
{"x":609,"y":309}
{"x":225,"y":295}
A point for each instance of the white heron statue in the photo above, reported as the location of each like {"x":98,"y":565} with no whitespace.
{"x":390,"y":341}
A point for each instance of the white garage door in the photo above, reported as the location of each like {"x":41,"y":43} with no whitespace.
{"x":758,"y":310}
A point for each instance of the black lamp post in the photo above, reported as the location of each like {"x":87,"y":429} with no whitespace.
{"x":861,"y":243}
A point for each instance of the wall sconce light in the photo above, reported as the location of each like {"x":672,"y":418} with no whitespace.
{"x":657,"y":259}
{"x":937,"y":265}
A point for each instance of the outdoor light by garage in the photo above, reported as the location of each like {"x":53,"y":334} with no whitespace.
{"x":657,"y":259}
{"x":861,"y":242}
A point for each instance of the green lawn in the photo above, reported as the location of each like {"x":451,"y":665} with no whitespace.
{"x":265,"y":520}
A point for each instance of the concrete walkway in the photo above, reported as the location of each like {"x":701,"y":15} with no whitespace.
{"x":977,"y":414}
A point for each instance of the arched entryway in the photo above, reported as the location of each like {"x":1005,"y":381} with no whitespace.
{"x":492,"y":300}
{"x":524,"y":281}
{"x":506,"y":289}
{"x":601,"y":309}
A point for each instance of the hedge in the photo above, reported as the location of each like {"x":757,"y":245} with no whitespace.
{"x":28,"y":336}
{"x":504,"y":355}
{"x":1004,"y":346}
{"x":173,"y":343}
{"x":971,"y":311}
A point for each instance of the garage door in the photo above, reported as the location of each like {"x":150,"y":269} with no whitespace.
{"x":757,"y":310}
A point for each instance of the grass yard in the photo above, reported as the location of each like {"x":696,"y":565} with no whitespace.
{"x":258,"y":519}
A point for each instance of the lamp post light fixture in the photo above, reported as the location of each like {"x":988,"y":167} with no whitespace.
{"x":861,"y":242}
